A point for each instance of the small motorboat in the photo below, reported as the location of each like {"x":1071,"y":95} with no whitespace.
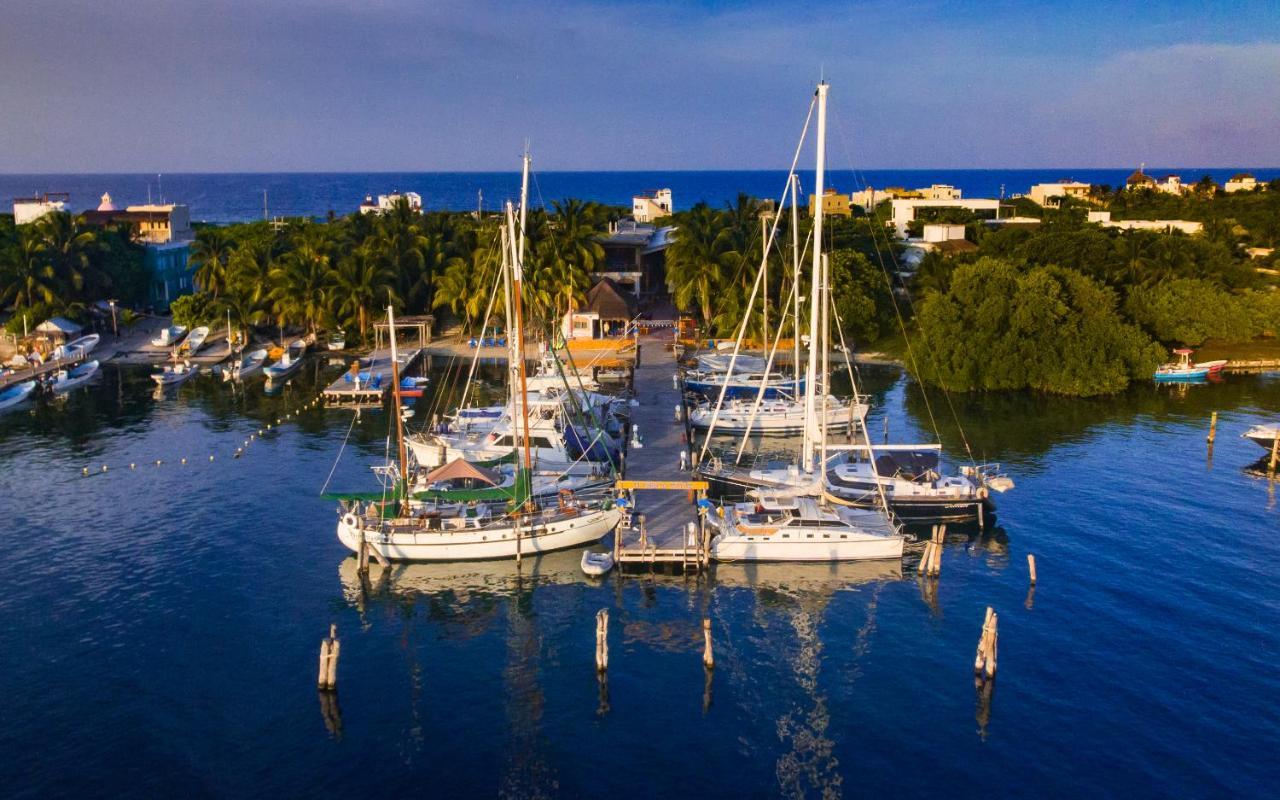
{"x":169,"y":336}
{"x":289,"y":361}
{"x":250,"y":364}
{"x":174,"y":374}
{"x":194,"y":341}
{"x":1263,"y":436}
{"x":338,"y":340}
{"x":67,"y":379}
{"x":596,"y":564}
{"x":1184,"y":371}
{"x":83,"y":345}
{"x":15,"y":395}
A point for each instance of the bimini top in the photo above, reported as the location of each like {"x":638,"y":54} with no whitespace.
{"x":907,"y":464}
{"x":460,"y":468}
{"x":1183,"y":351}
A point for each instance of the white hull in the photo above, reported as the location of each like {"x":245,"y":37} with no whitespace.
{"x":478,"y":543}
{"x":77,"y":377}
{"x":175,"y":378}
{"x":732,"y":547}
{"x":773,"y":417}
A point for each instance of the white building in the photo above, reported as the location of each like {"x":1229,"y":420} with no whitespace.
{"x":1240,"y":182}
{"x":940,"y":191}
{"x":937,"y":232}
{"x":904,"y":209}
{"x":1172,"y":184}
{"x":386,"y":202}
{"x":1051,"y":194}
{"x":649,"y":206}
{"x":30,"y":209}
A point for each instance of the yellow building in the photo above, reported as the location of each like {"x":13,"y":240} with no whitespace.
{"x":834,"y":204}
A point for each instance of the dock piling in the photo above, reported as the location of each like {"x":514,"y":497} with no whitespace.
{"x":1213,"y":427}
{"x":1275,"y":451}
{"x":329,"y":649}
{"x":602,"y":640}
{"x":1031,"y":567}
{"x":708,"y":659}
{"x":984,"y":662}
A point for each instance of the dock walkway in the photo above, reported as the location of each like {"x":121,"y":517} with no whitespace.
{"x":666,"y":512}
{"x":375,"y":381}
{"x":32,"y":373}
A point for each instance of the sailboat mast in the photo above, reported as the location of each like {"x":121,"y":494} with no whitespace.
{"x":795,"y":263}
{"x":517,"y":278}
{"x":395,"y":390}
{"x":764,"y":265}
{"x":811,"y":377}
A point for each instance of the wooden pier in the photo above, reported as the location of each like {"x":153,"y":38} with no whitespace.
{"x":376,"y":380}
{"x":48,"y":367}
{"x":664,"y":497}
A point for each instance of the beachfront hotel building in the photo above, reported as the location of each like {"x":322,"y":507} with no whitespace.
{"x":652,"y":205}
{"x":29,"y":209}
{"x":1241,"y":182}
{"x":1052,"y":194}
{"x":164,"y":231}
{"x":386,"y":202}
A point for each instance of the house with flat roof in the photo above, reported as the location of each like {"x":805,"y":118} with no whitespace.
{"x":1241,"y":182}
{"x":386,"y":202}
{"x":652,"y":205}
{"x":1052,"y":194}
{"x":164,"y":231}
{"x":834,"y":204}
{"x":29,"y":209}
{"x":635,"y":256}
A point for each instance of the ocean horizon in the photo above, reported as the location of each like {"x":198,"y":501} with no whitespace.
{"x":227,"y":197}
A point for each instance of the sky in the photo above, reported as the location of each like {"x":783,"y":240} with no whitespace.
{"x":391,"y":85}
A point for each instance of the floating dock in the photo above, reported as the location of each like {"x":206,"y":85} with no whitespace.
{"x":371,"y":384}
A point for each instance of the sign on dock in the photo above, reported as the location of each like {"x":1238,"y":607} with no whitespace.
{"x":678,"y":485}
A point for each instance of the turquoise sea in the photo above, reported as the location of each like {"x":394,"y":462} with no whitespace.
{"x":159,"y":626}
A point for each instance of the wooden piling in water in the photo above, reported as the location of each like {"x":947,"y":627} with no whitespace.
{"x":1213,"y":427}
{"x":602,"y":640}
{"x":1031,"y":567}
{"x":708,"y":659}
{"x":984,"y":662}
{"x":329,"y":649}
{"x":1275,"y":451}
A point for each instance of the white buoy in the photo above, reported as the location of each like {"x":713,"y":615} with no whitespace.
{"x":675,"y":381}
{"x":691,"y":533}
{"x":684,"y":460}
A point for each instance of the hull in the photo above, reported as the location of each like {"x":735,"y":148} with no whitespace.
{"x":169,"y":379}
{"x":779,"y":421}
{"x":276,"y":372}
{"x":1262,"y":436}
{"x":76,"y":377}
{"x":16,"y":395}
{"x":480,"y":543}
{"x":1182,"y":376}
{"x":736,"y":547}
{"x":746,"y":391}
{"x":922,"y":509}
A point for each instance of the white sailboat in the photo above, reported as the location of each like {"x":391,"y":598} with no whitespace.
{"x":479,"y":532}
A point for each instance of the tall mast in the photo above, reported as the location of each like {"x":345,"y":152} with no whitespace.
{"x":764,"y":265}
{"x":395,"y":388}
{"x":811,"y":376}
{"x":524,"y":206}
{"x":795,"y":264}
{"x":517,"y":277}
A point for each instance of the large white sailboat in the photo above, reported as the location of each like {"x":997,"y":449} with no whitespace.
{"x":479,"y":531}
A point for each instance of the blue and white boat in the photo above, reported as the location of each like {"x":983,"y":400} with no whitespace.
{"x":1183,"y":371}
{"x":67,"y":379}
{"x":289,"y":362}
{"x":15,"y":395}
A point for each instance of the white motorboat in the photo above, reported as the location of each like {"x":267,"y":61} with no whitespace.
{"x":1263,"y":436}
{"x":289,"y":361}
{"x":169,"y":336}
{"x":595,"y":563}
{"x":175,"y":374}
{"x":775,"y":417}
{"x":84,"y":345}
{"x":250,"y":364}
{"x":802,"y":529}
{"x":194,"y":341}
{"x":337,"y":340}
{"x":67,"y":379}
{"x":16,"y":395}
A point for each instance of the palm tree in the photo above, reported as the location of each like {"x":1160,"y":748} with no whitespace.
{"x":567,"y":255}
{"x":465,"y":286}
{"x":695,"y":267}
{"x":67,"y":248}
{"x":211,"y":253}
{"x":299,"y":286}
{"x":360,"y":282}
{"x":28,"y":277}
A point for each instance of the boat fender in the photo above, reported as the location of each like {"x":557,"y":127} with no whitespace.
{"x":351,"y":521}
{"x":983,"y":493}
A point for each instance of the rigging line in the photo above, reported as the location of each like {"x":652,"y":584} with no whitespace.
{"x":795,"y":159}
{"x":493,"y":296}
{"x":924,"y":392}
{"x":755,"y":408}
{"x":338,"y":458}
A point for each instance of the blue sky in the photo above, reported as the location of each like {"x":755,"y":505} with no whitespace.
{"x":319,"y":85}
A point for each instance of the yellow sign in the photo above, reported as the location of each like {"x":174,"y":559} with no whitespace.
{"x":663,"y":485}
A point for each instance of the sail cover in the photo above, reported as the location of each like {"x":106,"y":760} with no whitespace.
{"x":461,"y":468}
{"x":910,"y":464}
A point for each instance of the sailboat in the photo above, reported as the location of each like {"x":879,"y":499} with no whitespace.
{"x":479,"y":532}
{"x":791,"y":521}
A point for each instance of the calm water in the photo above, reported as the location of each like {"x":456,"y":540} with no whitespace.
{"x":159,"y":627}
{"x":232,"y":197}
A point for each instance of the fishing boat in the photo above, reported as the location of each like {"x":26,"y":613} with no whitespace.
{"x":169,"y":336}
{"x":803,"y":529}
{"x":1263,"y":435}
{"x":82,"y":346}
{"x":1184,"y":371}
{"x":910,"y":480}
{"x":250,"y":364}
{"x":520,"y":528}
{"x":337,"y":340}
{"x":290,"y":361}
{"x":194,"y":341}
{"x":67,"y":379}
{"x":176,"y":373}
{"x":16,"y":395}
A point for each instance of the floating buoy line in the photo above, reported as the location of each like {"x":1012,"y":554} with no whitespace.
{"x":255,"y":435}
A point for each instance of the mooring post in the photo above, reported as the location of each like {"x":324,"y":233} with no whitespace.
{"x":1275,"y":451}
{"x":602,"y":640}
{"x":329,"y":650}
{"x":1213,"y":427}
{"x":708,"y":660}
{"x":984,"y":662}
{"x":1031,"y":567}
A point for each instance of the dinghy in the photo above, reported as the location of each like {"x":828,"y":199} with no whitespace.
{"x":1263,"y":436}
{"x":289,"y":362}
{"x":168,"y":336}
{"x":194,"y":341}
{"x":596,"y":564}
{"x":66,"y":380}
{"x":15,"y":395}
{"x":174,"y":374}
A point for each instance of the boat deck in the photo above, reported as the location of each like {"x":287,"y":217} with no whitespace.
{"x":48,"y":367}
{"x":371,"y":392}
{"x":665,"y":512}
